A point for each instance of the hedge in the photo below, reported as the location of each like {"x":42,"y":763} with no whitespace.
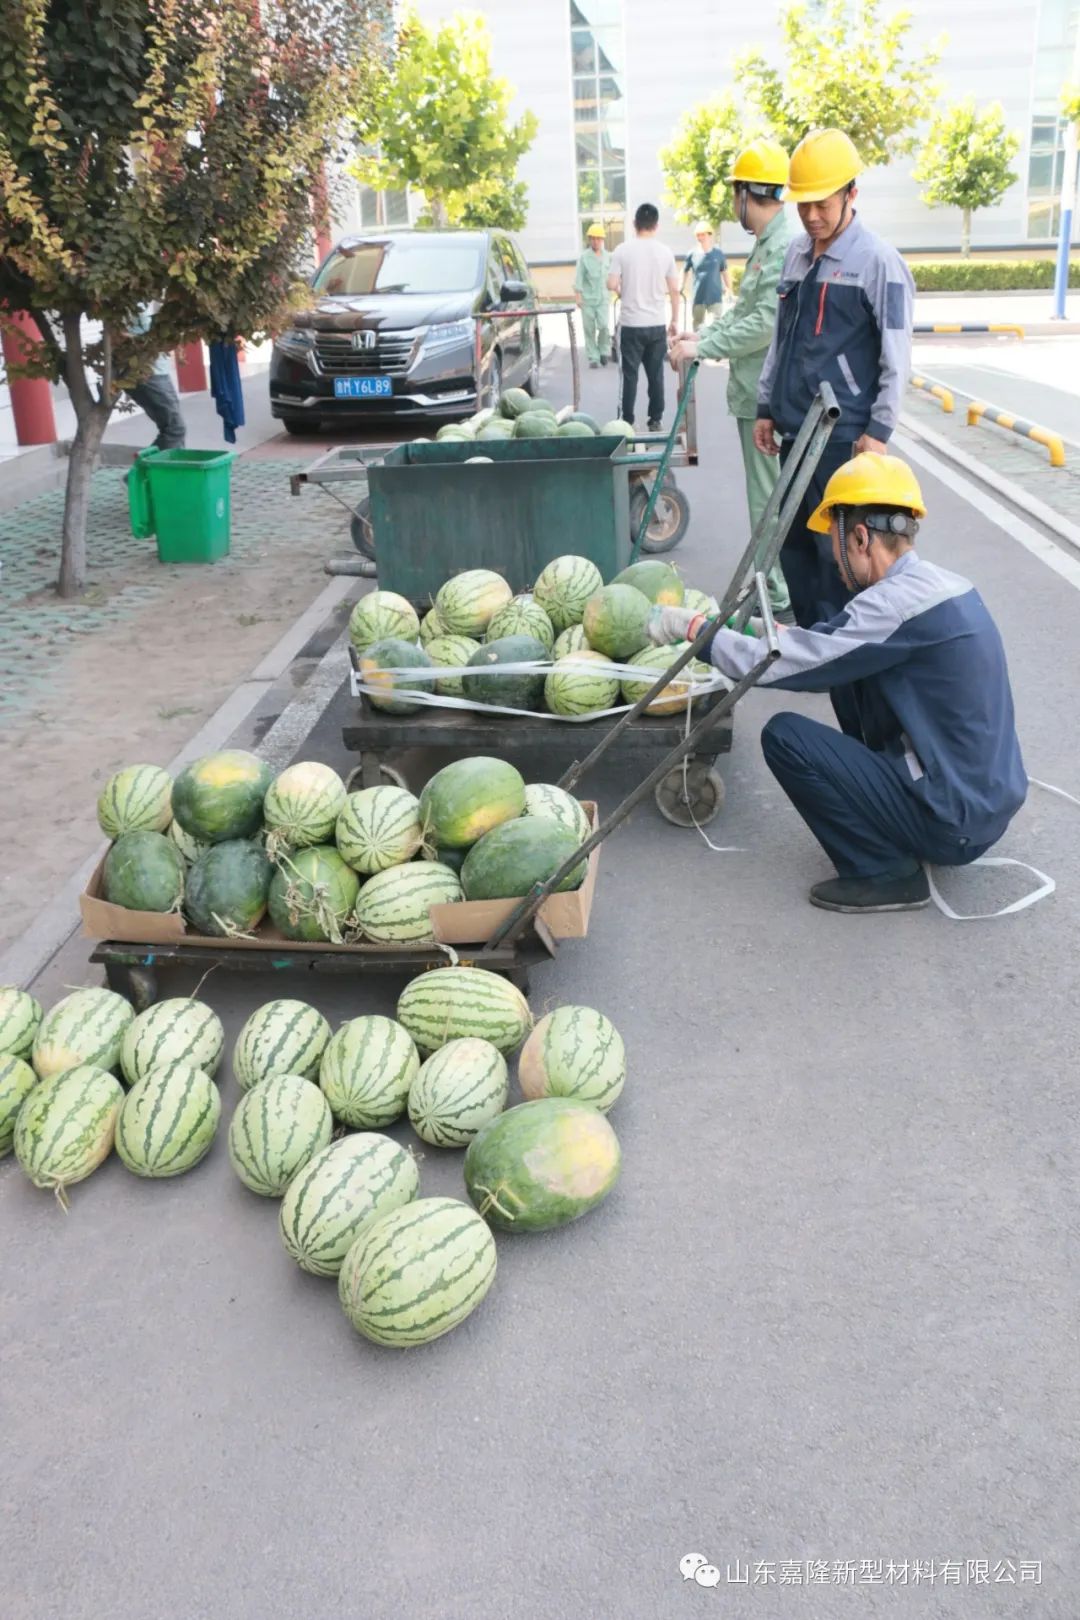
{"x":988,"y":275}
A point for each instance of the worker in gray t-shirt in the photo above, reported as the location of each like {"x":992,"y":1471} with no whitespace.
{"x":643,"y":274}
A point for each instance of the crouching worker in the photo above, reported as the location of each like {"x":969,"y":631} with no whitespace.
{"x":936,"y":775}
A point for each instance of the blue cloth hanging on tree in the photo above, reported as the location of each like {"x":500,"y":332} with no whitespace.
{"x":225,"y":385}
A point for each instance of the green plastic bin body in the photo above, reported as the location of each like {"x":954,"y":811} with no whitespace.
{"x":140,"y":511}
{"x":189,"y":501}
{"x":432,"y":515}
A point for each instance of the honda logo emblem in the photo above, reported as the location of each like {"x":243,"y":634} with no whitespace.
{"x":364,"y":340}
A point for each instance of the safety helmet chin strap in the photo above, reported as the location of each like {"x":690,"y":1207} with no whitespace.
{"x":896,"y":523}
{"x":846,"y":570}
{"x":745,"y":189}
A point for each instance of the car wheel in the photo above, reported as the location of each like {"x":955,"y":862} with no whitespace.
{"x":532,"y":381}
{"x":493,"y":392}
{"x":299,"y":425}
{"x":363,"y":535}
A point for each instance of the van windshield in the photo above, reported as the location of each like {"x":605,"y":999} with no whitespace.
{"x":408,"y":266}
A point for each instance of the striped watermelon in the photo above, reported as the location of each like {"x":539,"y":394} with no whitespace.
{"x":653,"y":661}
{"x":302,"y":806}
{"x":381,"y":614}
{"x":20,"y":1015}
{"x":615,"y":620}
{"x":416,"y":1273}
{"x":564,"y":587}
{"x":144,"y":871}
{"x":220,"y":797}
{"x":451,"y":652}
{"x":459,"y":1088}
{"x":431,"y":626}
{"x":379,"y":827}
{"x":568,"y":690}
{"x":467,"y":603}
{"x":387,"y":665}
{"x":449,"y":1003}
{"x":179,"y":1030}
{"x":522,"y":617}
{"x":339,"y":1189}
{"x":466,"y":799}
{"x":555,"y":804}
{"x":66,"y":1126}
{"x":700,"y":601}
{"x":228,"y":887}
{"x":570,"y":641}
{"x":190,"y":848}
{"x":542,"y":1164}
{"x":574,"y":1052}
{"x":168,"y":1121}
{"x":17,"y":1080}
{"x":312,"y":895}
{"x":394,"y":906}
{"x":136,"y":799}
{"x":277,"y":1127}
{"x":87,"y":1027}
{"x":366,"y":1071}
{"x":280,"y":1037}
{"x":656,"y":579}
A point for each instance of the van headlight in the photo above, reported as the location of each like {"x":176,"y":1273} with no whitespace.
{"x":449,"y":334}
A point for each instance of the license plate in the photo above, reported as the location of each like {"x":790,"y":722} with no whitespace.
{"x":362,"y":387}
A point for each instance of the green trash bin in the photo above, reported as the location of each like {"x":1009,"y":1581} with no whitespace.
{"x":189,"y":503}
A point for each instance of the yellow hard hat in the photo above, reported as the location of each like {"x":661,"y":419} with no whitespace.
{"x":596,"y":230}
{"x":762,"y":163}
{"x":823,"y":162}
{"x":870,"y":479}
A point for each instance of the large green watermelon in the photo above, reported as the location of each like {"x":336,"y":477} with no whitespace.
{"x":467,"y":798}
{"x":555,"y":804}
{"x":514,"y":401}
{"x":85,"y":1028}
{"x":277,"y":1127}
{"x":564,"y":586}
{"x":67,"y":1125}
{"x":542,"y":1164}
{"x":655,"y":579}
{"x":280,"y":1037}
{"x":509,"y":691}
{"x":653,"y":661}
{"x":574,"y":430}
{"x":522,"y":617}
{"x":450,"y":1003}
{"x":386,"y":665}
{"x":615,"y":619}
{"x":302,"y":805}
{"x":381,"y":615}
{"x":17,"y":1081}
{"x":177,"y":1030}
{"x":569,"y":689}
{"x":394,"y":906}
{"x":574,"y":1052}
{"x":220,"y":797}
{"x":144,"y":871}
{"x":338,"y":1191}
{"x":136,"y":799}
{"x":379,"y":827}
{"x":168,"y":1121}
{"x":367,"y":1069}
{"x":20,"y":1016}
{"x":451,"y":652}
{"x":228,"y":887}
{"x":312,"y":895}
{"x":508,"y":860}
{"x":459,"y":1088}
{"x":417,"y":1272}
{"x":469,"y":601}
{"x":536,"y":425}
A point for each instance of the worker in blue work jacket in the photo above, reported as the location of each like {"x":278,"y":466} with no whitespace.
{"x":934,"y":774}
{"x":844,"y":316}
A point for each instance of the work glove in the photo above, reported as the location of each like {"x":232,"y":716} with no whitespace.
{"x":667,"y":625}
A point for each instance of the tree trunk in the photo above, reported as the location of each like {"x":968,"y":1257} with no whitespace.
{"x":965,"y":235}
{"x":438,"y":213}
{"x":81,"y":465}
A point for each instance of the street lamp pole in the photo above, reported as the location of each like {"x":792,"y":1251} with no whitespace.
{"x":1068,"y":192}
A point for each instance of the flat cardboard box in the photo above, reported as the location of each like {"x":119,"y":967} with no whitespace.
{"x":469,"y":922}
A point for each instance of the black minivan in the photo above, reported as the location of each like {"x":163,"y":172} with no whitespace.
{"x":392,"y":330}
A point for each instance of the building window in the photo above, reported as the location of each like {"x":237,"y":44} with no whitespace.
{"x":598,"y":58}
{"x":1055,"y":43}
{"x":383,"y":208}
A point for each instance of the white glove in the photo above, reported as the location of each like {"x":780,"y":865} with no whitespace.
{"x":666,"y":625}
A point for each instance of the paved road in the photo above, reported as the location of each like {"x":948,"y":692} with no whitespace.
{"x":1035,"y":378}
{"x":830,"y":1313}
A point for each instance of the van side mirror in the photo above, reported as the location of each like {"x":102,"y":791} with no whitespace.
{"x":513,"y":292}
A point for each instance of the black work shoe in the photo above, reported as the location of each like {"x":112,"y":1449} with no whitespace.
{"x":604,"y":358}
{"x":593,"y":364}
{"x":655,"y":427}
{"x":853,"y":894}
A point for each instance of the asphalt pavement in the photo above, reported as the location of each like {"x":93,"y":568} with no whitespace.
{"x":825,"y":1325}
{"x":1034,"y":378}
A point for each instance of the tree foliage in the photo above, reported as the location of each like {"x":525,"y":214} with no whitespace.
{"x":698,"y":160}
{"x":1070,"y":103}
{"x":161,"y":152}
{"x":845,"y":65}
{"x":964,"y":160}
{"x":439,"y":121}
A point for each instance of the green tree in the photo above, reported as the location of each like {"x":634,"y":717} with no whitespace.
{"x":846,"y":66}
{"x":164,"y":153}
{"x":698,"y":160}
{"x":965,"y":159}
{"x":1070,"y":104}
{"x":440,"y":122}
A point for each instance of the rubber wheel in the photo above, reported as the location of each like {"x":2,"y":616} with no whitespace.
{"x":670,"y":519}
{"x":355,"y":779}
{"x":363,"y":535}
{"x":300,"y":425}
{"x":695,"y":802}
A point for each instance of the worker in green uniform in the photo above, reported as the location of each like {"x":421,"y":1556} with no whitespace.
{"x":593,"y":298}
{"x":742,"y":335}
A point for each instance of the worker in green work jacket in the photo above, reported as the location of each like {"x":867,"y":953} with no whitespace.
{"x":593,"y":298}
{"x":742,"y":336}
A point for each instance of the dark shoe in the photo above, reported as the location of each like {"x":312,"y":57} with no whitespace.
{"x":593,"y":364}
{"x":850,"y":894}
{"x":656,"y":427}
{"x":604,"y":358}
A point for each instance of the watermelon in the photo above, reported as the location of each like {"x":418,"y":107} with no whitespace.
{"x":480,"y":419}
{"x":496,"y":430}
{"x":573,"y":430}
{"x":144,"y":871}
{"x":179,"y":1030}
{"x":454,"y":431}
{"x":574,"y":1052}
{"x":537,"y":402}
{"x":338,"y":1191}
{"x":136,"y":799}
{"x":522,"y":617}
{"x":431,"y":626}
{"x":394,"y":906}
{"x":514,"y":401}
{"x":542,"y":1164}
{"x":555,"y":804}
{"x":280,"y":1037}
{"x":379,"y":827}
{"x":386,"y":665}
{"x":17,"y":1081}
{"x":228,"y":888}
{"x":415,"y":1273}
{"x":87,"y":1028}
{"x":449,"y":1003}
{"x":302,"y":806}
{"x":459,"y":1088}
{"x":618,"y":429}
{"x":568,"y":690}
{"x":536,"y":425}
{"x":508,"y":860}
{"x":583,"y":416}
{"x":380,"y":616}
{"x":699,"y":601}
{"x":468,"y":602}
{"x":451,"y":652}
{"x":168,"y":1121}
{"x":615,"y":619}
{"x":66,"y":1126}
{"x":20,"y":1015}
{"x":654,"y":579}
{"x":366,"y":1071}
{"x":277,"y":1127}
{"x":467,"y":798}
{"x":220,"y":797}
{"x":312,"y":895}
{"x":190,"y":848}
{"x":563,"y":588}
{"x":653,"y":661}
{"x":453,"y":858}
{"x":510,"y":691}
{"x":571,"y":640}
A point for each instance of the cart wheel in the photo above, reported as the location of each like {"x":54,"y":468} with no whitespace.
{"x":363,"y":535}
{"x":695,"y":802}
{"x":356,"y":777}
{"x":670,"y":519}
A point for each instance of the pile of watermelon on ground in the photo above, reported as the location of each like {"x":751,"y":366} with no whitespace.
{"x":309,"y":1125}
